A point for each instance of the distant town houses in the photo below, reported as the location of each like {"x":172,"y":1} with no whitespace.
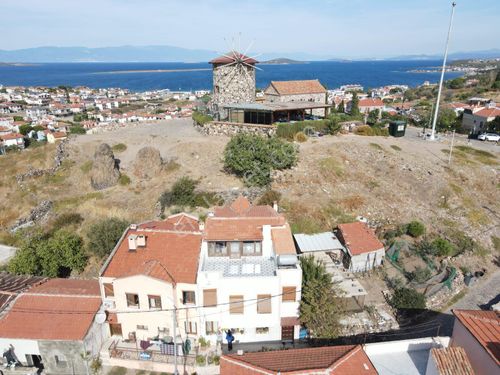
{"x":478,"y":114}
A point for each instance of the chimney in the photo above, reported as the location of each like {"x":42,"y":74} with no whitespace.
{"x":275,"y":206}
{"x":201,"y":226}
{"x":132,"y":242}
{"x":133,"y":226}
{"x":141,"y":240}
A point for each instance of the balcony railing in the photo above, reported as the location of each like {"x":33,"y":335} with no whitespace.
{"x":154,"y":355}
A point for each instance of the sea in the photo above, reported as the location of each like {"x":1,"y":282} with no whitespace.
{"x":139,"y":77}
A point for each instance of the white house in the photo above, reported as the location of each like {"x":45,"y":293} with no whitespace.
{"x":249,"y":279}
{"x":364,"y":249}
{"x":12,"y":139}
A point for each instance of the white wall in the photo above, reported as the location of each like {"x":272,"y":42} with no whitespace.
{"x":367,"y":261}
{"x":21,"y":347}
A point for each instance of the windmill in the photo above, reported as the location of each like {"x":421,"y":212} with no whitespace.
{"x":233,"y":79}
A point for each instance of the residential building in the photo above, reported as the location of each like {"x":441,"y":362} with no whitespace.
{"x":151,"y":273}
{"x":249,"y":279}
{"x":12,"y":140}
{"x":298,"y":91}
{"x":476,"y":120}
{"x":54,"y":324}
{"x":53,"y":137}
{"x":478,"y":332}
{"x":364,"y":249}
{"x":368,"y":105}
{"x":328,"y":360}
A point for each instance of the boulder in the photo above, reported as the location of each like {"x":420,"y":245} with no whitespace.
{"x":148,"y":163}
{"x":105,"y":171}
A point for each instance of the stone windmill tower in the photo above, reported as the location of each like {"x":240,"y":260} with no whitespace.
{"x":233,"y":81}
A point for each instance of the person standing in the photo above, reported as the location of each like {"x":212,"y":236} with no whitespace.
{"x":230,"y":339}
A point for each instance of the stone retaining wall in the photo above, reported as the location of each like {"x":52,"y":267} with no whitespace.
{"x":233,"y":128}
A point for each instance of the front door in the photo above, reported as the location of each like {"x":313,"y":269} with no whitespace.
{"x":287,"y":333}
{"x":116,"y":329}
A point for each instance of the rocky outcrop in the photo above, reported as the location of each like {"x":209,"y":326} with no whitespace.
{"x":37,"y":215}
{"x":105,"y":171}
{"x":232,"y":128}
{"x":148,"y":163}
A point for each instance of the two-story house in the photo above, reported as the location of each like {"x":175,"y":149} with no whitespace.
{"x":249,"y":279}
{"x":150,"y":274}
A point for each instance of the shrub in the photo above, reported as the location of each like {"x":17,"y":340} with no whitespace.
{"x":406,"y":298}
{"x":367,"y":130}
{"x":415,"y":228}
{"x":269,"y":197}
{"x":124,"y":179}
{"x":119,"y":147}
{"x":253,"y":157}
{"x":87,"y":166}
{"x":183,"y":193}
{"x":442,"y":247}
{"x":216,"y":359}
{"x":201,"y":360}
{"x":76,"y":129}
{"x":66,"y":219}
{"x":396,"y":148}
{"x":419,"y":275}
{"x":201,"y":118}
{"x":300,"y":137}
{"x":103,"y":236}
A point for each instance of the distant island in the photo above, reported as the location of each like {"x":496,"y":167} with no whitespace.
{"x":282,"y":61}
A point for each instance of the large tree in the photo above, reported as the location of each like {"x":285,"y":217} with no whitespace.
{"x":103,"y":236}
{"x":320,"y":305}
{"x":354,"y":105}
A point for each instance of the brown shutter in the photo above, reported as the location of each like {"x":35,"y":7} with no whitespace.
{"x":289,"y":294}
{"x":263,"y":304}
{"x":236,"y":305}
{"x":209,"y":297}
{"x":108,"y":290}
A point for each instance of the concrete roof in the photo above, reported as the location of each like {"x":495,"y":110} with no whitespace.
{"x":325,"y":241}
{"x":276,"y":107}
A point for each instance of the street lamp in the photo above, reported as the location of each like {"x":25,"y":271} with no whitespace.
{"x":176,"y":371}
{"x":433,"y":132}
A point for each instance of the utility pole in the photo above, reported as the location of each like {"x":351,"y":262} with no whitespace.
{"x":433,"y":133}
{"x":451,"y":147}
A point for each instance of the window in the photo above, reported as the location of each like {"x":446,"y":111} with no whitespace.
{"x":236,"y":305}
{"x":289,"y":294}
{"x":190,"y":328}
{"x":132,"y":300}
{"x":210,"y":327}
{"x":252,"y":248}
{"x":60,"y":361}
{"x":188,"y":297}
{"x":108,"y":290}
{"x":234,"y":249}
{"x":261,"y":330}
{"x":263,"y":304}
{"x":163,"y":330}
{"x":154,"y":302}
{"x":209,"y":297}
{"x":217,"y":249}
{"x":142,"y":327}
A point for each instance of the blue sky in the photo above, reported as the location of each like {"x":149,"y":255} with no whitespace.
{"x":340,"y":28}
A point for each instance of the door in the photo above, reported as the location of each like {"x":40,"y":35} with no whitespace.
{"x":287,"y":333}
{"x":116,"y":329}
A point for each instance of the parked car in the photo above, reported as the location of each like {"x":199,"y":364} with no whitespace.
{"x":489,"y":137}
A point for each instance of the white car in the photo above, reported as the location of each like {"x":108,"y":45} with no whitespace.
{"x":489,"y":137}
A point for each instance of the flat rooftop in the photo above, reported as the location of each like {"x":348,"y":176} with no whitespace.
{"x":276,"y":107}
{"x":244,"y":267}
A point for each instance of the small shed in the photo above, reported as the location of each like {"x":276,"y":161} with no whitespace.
{"x":325,"y":242}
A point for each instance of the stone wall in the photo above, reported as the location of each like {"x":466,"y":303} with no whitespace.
{"x":69,"y":355}
{"x":303,"y":98}
{"x":233,"y":128}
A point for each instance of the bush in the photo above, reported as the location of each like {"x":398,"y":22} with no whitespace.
{"x":367,"y":130}
{"x":184,"y":194}
{"x":51,"y":255}
{"x":67,"y":219}
{"x":289,"y":130}
{"x":76,"y":129}
{"x":442,"y":247}
{"x":415,"y":228}
{"x":124,"y":179}
{"x":406,"y":298}
{"x":119,"y":147}
{"x":201,"y":118}
{"x":419,"y":275}
{"x":300,"y":137}
{"x":253,"y":157}
{"x":269,"y":197}
{"x":103,"y":236}
{"x":201,"y":360}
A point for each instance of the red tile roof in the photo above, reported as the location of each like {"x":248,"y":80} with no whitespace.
{"x":44,"y":317}
{"x":485,"y":327}
{"x":371,"y":102}
{"x":67,"y":287}
{"x":11,"y":136}
{"x":452,"y":361}
{"x":359,"y":238}
{"x":233,"y":56}
{"x":283,"y":240}
{"x":171,"y":252}
{"x":298,"y":87}
{"x":180,"y":222}
{"x":343,"y":360}
{"x":488,"y":112}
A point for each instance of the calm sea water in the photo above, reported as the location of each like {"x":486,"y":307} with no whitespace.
{"x":100,"y":75}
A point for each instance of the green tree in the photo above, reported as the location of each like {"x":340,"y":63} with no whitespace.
{"x":406,"y":298}
{"x":18,"y":118}
{"x":373,"y":117}
{"x":341,"y":107}
{"x":447,"y":119}
{"x":354,"y":105}
{"x":320,"y":308}
{"x":494,"y":126}
{"x":253,"y":157}
{"x":456,"y":83}
{"x":103,"y":236}
{"x":442,"y":247}
{"x":25,"y":129}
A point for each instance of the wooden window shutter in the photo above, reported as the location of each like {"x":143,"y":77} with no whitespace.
{"x":236,"y":305}
{"x":289,"y":294}
{"x":263,"y":304}
{"x":209,"y":297}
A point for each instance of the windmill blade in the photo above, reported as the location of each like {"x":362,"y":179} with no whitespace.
{"x":248,"y":48}
{"x":252,"y":57}
{"x":250,"y":65}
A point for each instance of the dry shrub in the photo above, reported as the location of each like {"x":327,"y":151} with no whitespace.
{"x":331,"y":167}
{"x":300,"y":137}
{"x":353,"y":202}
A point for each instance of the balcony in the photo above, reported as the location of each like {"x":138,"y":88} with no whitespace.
{"x":244,"y":267}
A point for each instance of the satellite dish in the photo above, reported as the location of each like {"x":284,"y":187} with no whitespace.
{"x":100,"y":317}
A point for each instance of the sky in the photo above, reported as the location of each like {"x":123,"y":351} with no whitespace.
{"x":333,"y":28}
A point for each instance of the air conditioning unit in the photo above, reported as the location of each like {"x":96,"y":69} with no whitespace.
{"x":132,"y":242}
{"x":141,"y":240}
{"x":109,"y":304}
